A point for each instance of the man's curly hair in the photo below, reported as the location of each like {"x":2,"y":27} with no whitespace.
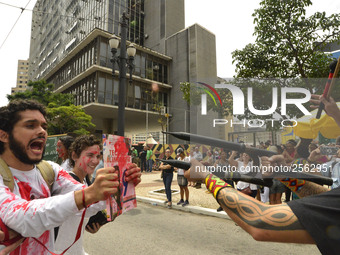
{"x":81,"y":143}
{"x":10,"y":114}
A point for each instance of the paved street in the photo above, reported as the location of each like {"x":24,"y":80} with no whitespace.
{"x":153,"y":229}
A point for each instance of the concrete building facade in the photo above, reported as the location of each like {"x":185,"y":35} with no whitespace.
{"x":69,"y":48}
{"x":22,"y":77}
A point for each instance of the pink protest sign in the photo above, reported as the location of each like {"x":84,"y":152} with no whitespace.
{"x":116,"y":154}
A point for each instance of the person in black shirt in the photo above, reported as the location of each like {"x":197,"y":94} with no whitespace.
{"x":168,"y":174}
{"x":142,"y":156}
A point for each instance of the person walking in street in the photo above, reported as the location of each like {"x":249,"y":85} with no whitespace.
{"x":168,"y":174}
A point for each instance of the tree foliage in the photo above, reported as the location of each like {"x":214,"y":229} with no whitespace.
{"x":288,"y":46}
{"x":288,"y":43}
{"x":43,"y":93}
{"x":67,"y":119}
{"x":62,"y":116}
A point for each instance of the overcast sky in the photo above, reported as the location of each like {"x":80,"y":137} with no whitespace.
{"x":230,"y":21}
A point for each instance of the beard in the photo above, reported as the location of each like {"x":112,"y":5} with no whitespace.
{"x":19,"y":151}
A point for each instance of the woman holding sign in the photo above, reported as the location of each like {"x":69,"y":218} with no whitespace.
{"x":84,"y":157}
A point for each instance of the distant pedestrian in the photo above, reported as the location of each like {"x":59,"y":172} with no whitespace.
{"x":168,"y":174}
{"x":198,"y":156}
{"x":181,"y":180}
{"x":142,"y":156}
{"x":149,"y":161}
{"x":134,"y":155}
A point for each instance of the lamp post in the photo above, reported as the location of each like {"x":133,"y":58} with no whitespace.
{"x":122,"y":63}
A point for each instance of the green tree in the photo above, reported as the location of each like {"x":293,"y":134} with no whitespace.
{"x":288,"y":43}
{"x":43,"y":93}
{"x":62,"y":116}
{"x":288,"y":47}
{"x":66,"y":119}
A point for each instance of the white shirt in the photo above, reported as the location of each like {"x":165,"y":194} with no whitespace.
{"x":67,"y":233}
{"x":66,"y":165}
{"x":180,"y":171}
{"x":31,"y":211}
{"x":197,"y":155}
{"x":244,"y":170}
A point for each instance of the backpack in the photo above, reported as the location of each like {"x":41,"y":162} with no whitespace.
{"x":45,"y":169}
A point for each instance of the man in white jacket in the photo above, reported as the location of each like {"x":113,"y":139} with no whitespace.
{"x":32,"y":209}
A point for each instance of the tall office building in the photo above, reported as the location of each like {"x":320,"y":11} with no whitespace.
{"x":22,"y":77}
{"x":69,"y":48}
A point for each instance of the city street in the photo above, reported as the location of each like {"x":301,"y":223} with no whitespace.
{"x":153,"y":229}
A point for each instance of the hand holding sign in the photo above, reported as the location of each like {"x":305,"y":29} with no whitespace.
{"x":115,"y":154}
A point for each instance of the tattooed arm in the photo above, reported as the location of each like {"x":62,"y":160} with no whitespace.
{"x":263,"y":222}
{"x":308,"y":188}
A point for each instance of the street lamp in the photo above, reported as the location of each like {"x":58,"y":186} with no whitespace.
{"x":122,"y":63}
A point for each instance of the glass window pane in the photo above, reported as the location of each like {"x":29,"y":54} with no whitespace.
{"x":165,"y":74}
{"x":101,"y":97}
{"x":137,"y":65}
{"x":109,"y":86}
{"x":103,"y":49}
{"x":108,"y":98}
{"x":115,"y":92}
{"x":149,"y":70}
{"x":101,"y":85}
{"x":137,"y":92}
{"x":142,"y":67}
{"x":160,"y":73}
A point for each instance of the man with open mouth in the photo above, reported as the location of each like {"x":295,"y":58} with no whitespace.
{"x":33,"y":208}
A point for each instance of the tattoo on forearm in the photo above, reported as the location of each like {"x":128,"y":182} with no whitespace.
{"x":256,"y":214}
{"x":310,"y":189}
{"x":303,"y":188}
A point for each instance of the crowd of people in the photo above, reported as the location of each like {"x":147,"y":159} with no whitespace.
{"x":303,"y":154}
{"x":311,"y":219}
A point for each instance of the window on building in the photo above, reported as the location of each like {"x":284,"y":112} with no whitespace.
{"x":137,"y":97}
{"x":115,"y":91}
{"x":109,"y":91}
{"x":104,"y":60}
{"x":149,"y":69}
{"x":101,"y":90}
